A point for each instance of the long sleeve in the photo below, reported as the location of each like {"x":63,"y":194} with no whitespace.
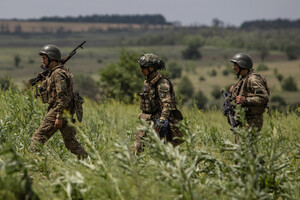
{"x":258,"y":93}
{"x":164,"y":92}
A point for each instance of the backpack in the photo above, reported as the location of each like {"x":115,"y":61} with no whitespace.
{"x":77,"y":105}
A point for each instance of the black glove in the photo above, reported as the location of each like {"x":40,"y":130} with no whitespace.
{"x":159,"y":124}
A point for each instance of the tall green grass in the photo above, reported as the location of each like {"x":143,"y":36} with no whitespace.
{"x":207,"y":166}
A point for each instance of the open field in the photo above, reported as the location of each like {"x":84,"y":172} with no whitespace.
{"x":69,"y":27}
{"x":91,"y":59}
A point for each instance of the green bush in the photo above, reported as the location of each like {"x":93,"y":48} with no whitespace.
{"x":216,"y":92}
{"x":123,"y":79}
{"x":200,"y":99}
{"x":185,"y":88}
{"x":174,"y":69}
{"x":289,"y":84}
{"x":262,"y":67}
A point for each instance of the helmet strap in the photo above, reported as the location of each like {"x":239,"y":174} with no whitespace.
{"x":239,"y":73}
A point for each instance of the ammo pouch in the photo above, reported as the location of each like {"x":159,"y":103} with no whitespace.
{"x":77,"y":108}
{"x":43,"y":94}
{"x":145,"y":103}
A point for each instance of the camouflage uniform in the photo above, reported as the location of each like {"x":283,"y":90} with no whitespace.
{"x":256,"y":92}
{"x":158,"y":101}
{"x":58,"y":93}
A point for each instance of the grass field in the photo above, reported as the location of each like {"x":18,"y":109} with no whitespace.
{"x":206,"y":166}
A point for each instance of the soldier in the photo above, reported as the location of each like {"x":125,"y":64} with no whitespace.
{"x":251,"y":91}
{"x":57,"y":91}
{"x":157,"y":102}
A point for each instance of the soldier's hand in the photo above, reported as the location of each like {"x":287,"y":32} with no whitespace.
{"x":231,"y":89}
{"x":240,"y":99}
{"x":42,"y":75}
{"x":58,"y":123}
{"x":158,"y":125}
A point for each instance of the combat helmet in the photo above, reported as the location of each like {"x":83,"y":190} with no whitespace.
{"x":51,"y":51}
{"x":151,"y":60}
{"x":243,"y":60}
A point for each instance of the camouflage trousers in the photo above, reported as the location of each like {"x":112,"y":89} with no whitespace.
{"x":176,"y":135}
{"x":255,"y":121}
{"x":47,"y":130}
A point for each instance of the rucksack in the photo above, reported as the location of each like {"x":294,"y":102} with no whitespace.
{"x":77,"y":105}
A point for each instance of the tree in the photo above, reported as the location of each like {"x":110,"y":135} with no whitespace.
{"x":200,"y":99}
{"x":192,"y":51}
{"x":174,"y":69}
{"x":122,"y":79}
{"x":185,"y":88}
{"x":216,"y":92}
{"x":292,"y":52}
{"x":17,"y":61}
{"x":289,"y":84}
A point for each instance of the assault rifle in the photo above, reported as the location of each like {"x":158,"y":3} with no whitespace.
{"x":228,"y":110}
{"x":46,"y":71}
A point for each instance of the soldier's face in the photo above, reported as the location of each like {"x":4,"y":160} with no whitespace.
{"x":236,"y":68}
{"x":145,"y":71}
{"x":45,"y":60}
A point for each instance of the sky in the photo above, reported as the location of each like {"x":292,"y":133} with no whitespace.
{"x":188,"y":12}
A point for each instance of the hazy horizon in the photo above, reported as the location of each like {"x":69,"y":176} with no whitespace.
{"x":189,"y":12}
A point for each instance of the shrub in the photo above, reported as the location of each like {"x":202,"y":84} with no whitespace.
{"x":174,"y":69}
{"x":123,"y":79}
{"x":278,"y":100}
{"x":216,"y":92}
{"x":289,"y":84}
{"x":262,"y":67}
{"x":185,"y":88}
{"x":200,"y":99}
{"x":225,"y":72}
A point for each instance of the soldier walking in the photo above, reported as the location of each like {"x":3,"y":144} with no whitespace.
{"x":157,"y":102}
{"x":57,"y":91}
{"x":251,"y":91}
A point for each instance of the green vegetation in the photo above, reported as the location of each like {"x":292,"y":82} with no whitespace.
{"x":206,"y":166}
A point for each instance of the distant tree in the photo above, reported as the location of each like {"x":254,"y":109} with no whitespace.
{"x":200,"y":99}
{"x":217,"y":23}
{"x":122,"y":79}
{"x":279,"y":77}
{"x":185,"y":88}
{"x":17,"y":61}
{"x":216,"y":92}
{"x":192,"y":51}
{"x":264,"y":52}
{"x":292,"y":52}
{"x":289,"y":84}
{"x":174,"y":70}
{"x":213,"y":73}
{"x":225,"y":72}
{"x":262,"y":67}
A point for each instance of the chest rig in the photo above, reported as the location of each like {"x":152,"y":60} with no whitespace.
{"x":149,"y":100}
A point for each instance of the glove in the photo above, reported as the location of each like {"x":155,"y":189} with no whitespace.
{"x":159,"y":124}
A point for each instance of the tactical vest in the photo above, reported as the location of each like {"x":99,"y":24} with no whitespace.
{"x":150,"y":102}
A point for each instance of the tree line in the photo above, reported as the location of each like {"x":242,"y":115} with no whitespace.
{"x":126,"y":19}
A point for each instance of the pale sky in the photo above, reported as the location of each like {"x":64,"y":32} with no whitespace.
{"x":188,"y":12}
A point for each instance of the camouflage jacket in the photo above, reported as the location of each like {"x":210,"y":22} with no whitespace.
{"x":58,"y":90}
{"x":255,"y":90}
{"x":158,"y":97}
